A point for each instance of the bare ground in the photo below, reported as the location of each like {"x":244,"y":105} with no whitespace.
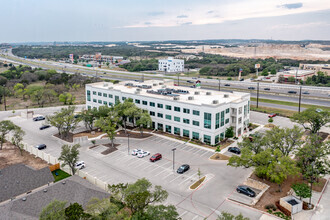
{"x":10,"y":155}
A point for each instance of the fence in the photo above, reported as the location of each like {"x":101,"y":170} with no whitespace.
{"x":54,"y":161}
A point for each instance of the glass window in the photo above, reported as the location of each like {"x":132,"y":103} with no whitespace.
{"x":105,"y":95}
{"x":177,"y":109}
{"x":169,"y":117}
{"x":195,"y":112}
{"x":207,"y":120}
{"x":110,"y":96}
{"x":94,"y":92}
{"x":217,"y":120}
{"x":160,"y":105}
{"x":152,"y":104}
{"x":144,"y":103}
{"x":89,"y":107}
{"x":105,"y":103}
{"x":160,"y":126}
{"x":207,"y":139}
{"x":168,"y":107}
{"x":159,"y":115}
{"x":123,"y":98}
{"x":168,"y":129}
{"x":185,"y":110}
{"x":100,"y":101}
{"x":177,"y":119}
{"x":227,"y":120}
{"x":88,"y":92}
{"x":177,"y":131}
{"x":222,"y":135}
{"x":222,"y":118}
{"x":227,"y":110}
{"x":116,"y":99}
{"x":186,"y":121}
{"x":152,"y":113}
{"x":185,"y":133}
{"x":137,"y":101}
{"x":110,"y":104}
{"x":195,"y":135}
{"x":196,"y":123}
{"x":99,"y":93}
{"x":216,"y":139}
{"x":94,"y":100}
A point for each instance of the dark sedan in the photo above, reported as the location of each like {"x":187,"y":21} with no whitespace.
{"x":41,"y":146}
{"x":183,"y":168}
{"x":234,"y":150}
{"x":246,"y":191}
{"x":251,"y":88}
{"x":267,"y":89}
{"x":227,"y":84}
{"x":292,"y":92}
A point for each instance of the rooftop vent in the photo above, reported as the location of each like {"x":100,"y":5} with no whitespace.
{"x":155,"y":84}
{"x":190,"y":97}
{"x":163,"y":86}
{"x":197,"y":93}
{"x":138,"y":89}
{"x":215,"y":102}
{"x":226,"y":96}
{"x":110,"y":87}
{"x":105,"y":84}
{"x":176,"y":98}
{"x":208,"y":93}
{"x":161,"y":83}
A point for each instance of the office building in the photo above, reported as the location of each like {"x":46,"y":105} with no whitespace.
{"x":171,"y":65}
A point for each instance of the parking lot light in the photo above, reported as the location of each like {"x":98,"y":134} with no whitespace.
{"x":173,"y":150}
{"x":128,"y":143}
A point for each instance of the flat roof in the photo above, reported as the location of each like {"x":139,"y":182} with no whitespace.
{"x":181,"y":94}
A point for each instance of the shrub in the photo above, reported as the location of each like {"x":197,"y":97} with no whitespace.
{"x":218,"y":149}
{"x":229,"y":78}
{"x":270,"y":207}
{"x":271,"y":120}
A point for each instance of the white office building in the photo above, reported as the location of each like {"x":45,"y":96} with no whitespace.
{"x":171,"y":65}
{"x":195,"y":113}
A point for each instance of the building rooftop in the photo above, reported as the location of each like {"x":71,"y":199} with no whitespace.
{"x":75,"y":189}
{"x":170,"y":59}
{"x":299,"y":73}
{"x":19,"y":178}
{"x":167,"y":90}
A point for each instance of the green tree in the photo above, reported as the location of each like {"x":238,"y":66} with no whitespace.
{"x":36,"y":93}
{"x":256,"y":146}
{"x":291,"y":79}
{"x":108,"y":125}
{"x":19,"y":90}
{"x":67,"y":98}
{"x":70,"y":156}
{"x":143,"y":121}
{"x":229,"y":216}
{"x":311,"y":119}
{"x":161,"y":212}
{"x":54,"y":210}
{"x":17,"y":138}
{"x":6,"y":126}
{"x":302,"y":190}
{"x":74,"y":212}
{"x":229,"y":133}
{"x":124,"y":110}
{"x":89,"y":116}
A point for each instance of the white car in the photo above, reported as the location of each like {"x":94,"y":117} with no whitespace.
{"x":136,"y":152}
{"x":143,"y":154}
{"x":80,"y":165}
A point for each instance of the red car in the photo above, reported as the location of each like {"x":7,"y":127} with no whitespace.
{"x":272,"y":115}
{"x":156,"y":157}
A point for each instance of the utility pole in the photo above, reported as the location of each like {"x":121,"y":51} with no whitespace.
{"x":219,"y":84}
{"x":173,"y":150}
{"x":178,"y":79}
{"x":299,"y":99}
{"x":142,"y":77}
{"x":127,"y":143}
{"x":258,"y":95}
{"x":296,"y":81}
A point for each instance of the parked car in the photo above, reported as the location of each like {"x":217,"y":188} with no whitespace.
{"x":136,"y":151}
{"x":80,"y":165}
{"x":246,"y":191}
{"x":251,"y":88}
{"x":306,"y":93}
{"x":41,"y":146}
{"x":155,"y":157}
{"x":292,"y":92}
{"x":183,"y":168}
{"x":227,"y":84}
{"x":39,"y":118}
{"x":267,"y":89}
{"x":175,"y":84}
{"x":234,"y":150}
{"x":272,"y":115}
{"x":241,"y":79}
{"x":318,"y":110}
{"x":189,"y":81}
{"x":44,"y":127}
{"x":143,"y":154}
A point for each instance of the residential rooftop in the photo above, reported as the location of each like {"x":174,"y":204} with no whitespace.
{"x":167,"y":90}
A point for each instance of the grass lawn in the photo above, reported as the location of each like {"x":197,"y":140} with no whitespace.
{"x":61,"y":175}
{"x":281,"y":112}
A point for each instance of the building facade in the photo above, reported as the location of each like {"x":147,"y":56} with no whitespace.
{"x":171,"y":65}
{"x":316,"y":67}
{"x":297,"y":74}
{"x":194,"y":113}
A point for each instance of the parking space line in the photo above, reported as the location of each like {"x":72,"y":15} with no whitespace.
{"x":156,"y":168}
{"x":187,"y":146}
{"x":195,"y":217}
{"x":185,"y":212}
{"x":176,"y":178}
{"x":151,"y":164}
{"x":167,"y":175}
{"x":137,"y":160}
{"x":190,"y":177}
{"x":199,"y":150}
{"x":204,"y":153}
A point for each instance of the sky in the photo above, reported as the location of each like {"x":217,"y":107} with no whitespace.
{"x":159,"y":20}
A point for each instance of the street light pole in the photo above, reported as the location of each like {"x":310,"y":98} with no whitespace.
{"x":219,"y":84}
{"x":258,"y":95}
{"x":173,"y":150}
{"x":299,"y":99}
{"x":128,"y":143}
{"x":178,"y":80}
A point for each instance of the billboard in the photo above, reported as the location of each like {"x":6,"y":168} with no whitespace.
{"x":257,"y":65}
{"x":71,"y":57}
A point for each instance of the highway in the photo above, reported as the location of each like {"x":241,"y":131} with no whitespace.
{"x":310,"y":94}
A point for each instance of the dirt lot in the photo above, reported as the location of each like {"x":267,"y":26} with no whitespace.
{"x":272,"y":194}
{"x":10,"y":155}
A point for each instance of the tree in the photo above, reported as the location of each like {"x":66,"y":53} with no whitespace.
{"x":70,"y":156}
{"x":161,"y":212}
{"x":6,"y":126}
{"x":67,"y":98}
{"x":229,"y":216}
{"x":18,"y":137}
{"x":143,"y":121}
{"x":229,"y":133}
{"x":312,"y":119}
{"x":256,"y":146}
{"x":54,"y":210}
{"x":36,"y":93}
{"x":19,"y":90}
{"x":108,"y":125}
{"x":89,"y":116}
{"x":74,"y":212}
{"x":124,"y":110}
{"x":302,"y":190}
{"x":291,"y":79}
{"x":284,"y":139}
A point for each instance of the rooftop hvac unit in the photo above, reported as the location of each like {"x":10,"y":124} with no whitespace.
{"x":226,"y":96}
{"x":208,"y":93}
{"x":155,"y":84}
{"x":163,"y":86}
{"x":215,"y":102}
{"x":176,"y":98}
{"x":105,"y":84}
{"x":138,"y":89}
{"x":110,"y":87}
{"x":197,"y":93}
{"x":190,"y":97}
{"x":161,"y":83}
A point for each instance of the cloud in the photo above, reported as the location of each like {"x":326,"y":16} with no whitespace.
{"x":292,"y":6}
{"x":147,"y":23}
{"x":300,"y":26}
{"x":210,"y":12}
{"x":182,"y":16}
{"x":156,"y":13}
{"x":187,"y":23}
